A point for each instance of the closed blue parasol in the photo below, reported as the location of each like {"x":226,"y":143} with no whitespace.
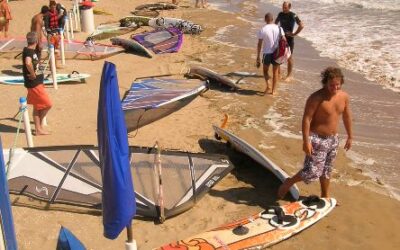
{"x":119,"y":205}
{"x":68,"y":241}
{"x":7,"y":233}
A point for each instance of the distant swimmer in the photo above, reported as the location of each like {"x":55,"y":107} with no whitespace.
{"x":320,"y":131}
{"x":267,"y":40}
{"x":287,"y":19}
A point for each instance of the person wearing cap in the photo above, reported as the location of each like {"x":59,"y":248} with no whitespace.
{"x":33,"y":81}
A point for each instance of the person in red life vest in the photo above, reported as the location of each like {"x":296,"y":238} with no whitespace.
{"x":51,"y":23}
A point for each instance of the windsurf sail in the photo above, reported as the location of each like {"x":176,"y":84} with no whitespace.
{"x":72,"y":49}
{"x":153,"y":98}
{"x":161,"y":41}
{"x":54,"y":177}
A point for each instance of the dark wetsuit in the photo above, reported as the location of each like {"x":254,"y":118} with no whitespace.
{"x":287,"y":22}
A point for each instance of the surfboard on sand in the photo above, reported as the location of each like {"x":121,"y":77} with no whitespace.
{"x":157,"y":6}
{"x":260,"y":230}
{"x":138,"y":20}
{"x":244,"y":147}
{"x":19,"y":80}
{"x":104,"y":31}
{"x":170,"y":22}
{"x":203,"y":72}
{"x":132,"y":46}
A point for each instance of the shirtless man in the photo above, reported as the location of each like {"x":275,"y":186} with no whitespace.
{"x":37,"y":25}
{"x":320,"y":125}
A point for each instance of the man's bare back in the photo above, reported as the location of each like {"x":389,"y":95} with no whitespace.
{"x":37,"y":24}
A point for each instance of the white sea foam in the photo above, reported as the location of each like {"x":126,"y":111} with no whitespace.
{"x":277,"y":122}
{"x":359,"y":159}
{"x":263,"y":146}
{"x":356,"y":33}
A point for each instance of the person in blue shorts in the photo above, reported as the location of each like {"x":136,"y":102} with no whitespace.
{"x":268,"y":40}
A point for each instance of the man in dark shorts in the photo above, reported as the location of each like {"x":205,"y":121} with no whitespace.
{"x":287,"y":20}
{"x":33,"y":81}
{"x":267,"y":37}
{"x":322,"y":113}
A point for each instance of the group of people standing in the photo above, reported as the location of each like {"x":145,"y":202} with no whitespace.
{"x":323,"y":108}
{"x":47,"y":24}
{"x":268,"y":38}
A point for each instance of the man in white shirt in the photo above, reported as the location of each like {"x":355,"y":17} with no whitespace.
{"x":268,"y":38}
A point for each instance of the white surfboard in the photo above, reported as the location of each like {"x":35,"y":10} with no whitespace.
{"x":19,"y":80}
{"x":261,"y":230}
{"x":244,"y":147}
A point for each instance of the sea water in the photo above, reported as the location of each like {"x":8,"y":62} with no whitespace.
{"x":360,"y":36}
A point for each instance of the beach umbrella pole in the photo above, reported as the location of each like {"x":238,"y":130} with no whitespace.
{"x":62,"y":47}
{"x":130,"y":244}
{"x":53,"y":66}
{"x":27,"y":122}
{"x":71,"y":26}
{"x":67,"y":28}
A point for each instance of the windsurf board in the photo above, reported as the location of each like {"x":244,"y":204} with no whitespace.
{"x":244,"y":147}
{"x":213,"y":76}
{"x":260,"y":230}
{"x":19,"y":80}
{"x":157,"y":6}
{"x":138,"y":20}
{"x":146,"y":13}
{"x":104,"y":31}
{"x":132,"y":46}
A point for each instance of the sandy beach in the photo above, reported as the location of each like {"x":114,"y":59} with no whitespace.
{"x":367,"y":217}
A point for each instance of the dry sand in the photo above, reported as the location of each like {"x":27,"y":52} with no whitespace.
{"x":364,"y":219}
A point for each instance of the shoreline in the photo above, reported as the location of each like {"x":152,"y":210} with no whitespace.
{"x":243,"y":192}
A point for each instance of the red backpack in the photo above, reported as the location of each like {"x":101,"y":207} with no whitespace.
{"x":282,"y":53}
